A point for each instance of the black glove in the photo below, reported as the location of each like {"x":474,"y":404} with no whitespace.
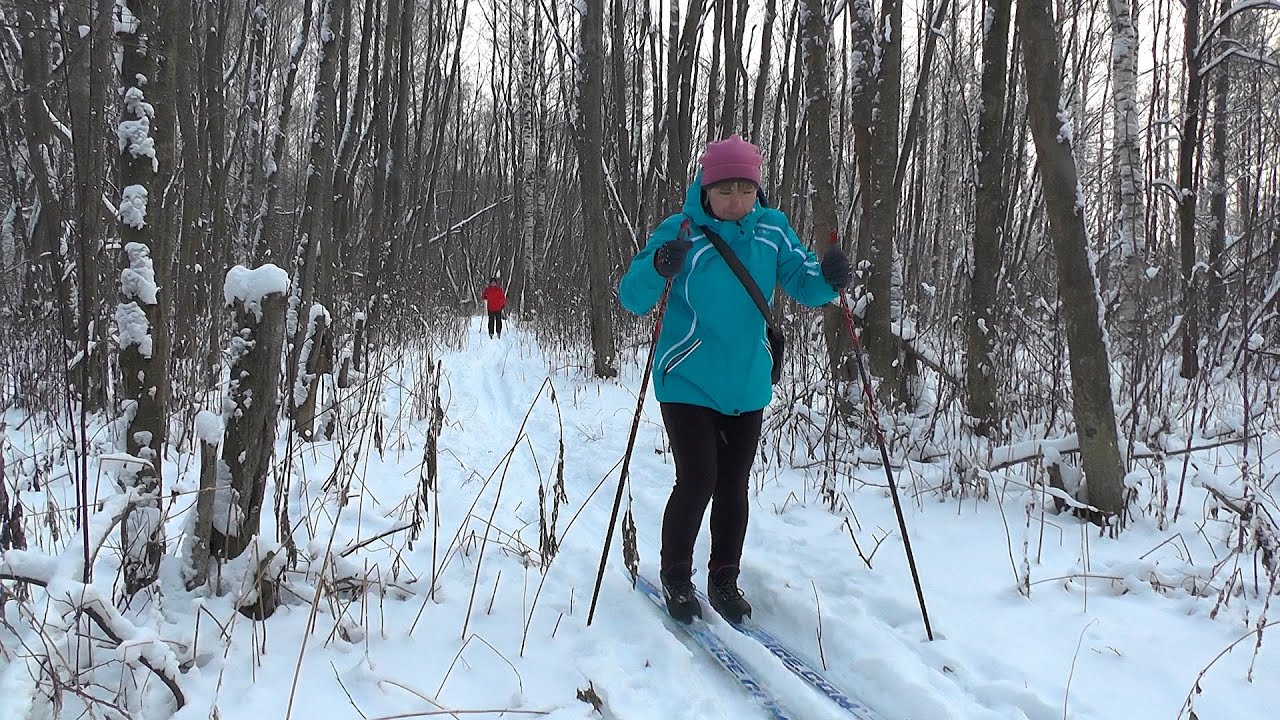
{"x":669,"y":257}
{"x":835,"y":269}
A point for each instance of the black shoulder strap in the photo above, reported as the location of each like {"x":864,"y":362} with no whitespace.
{"x":738,"y":269}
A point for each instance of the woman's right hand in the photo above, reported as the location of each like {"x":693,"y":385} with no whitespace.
{"x":668,"y":259}
{"x":835,"y":269}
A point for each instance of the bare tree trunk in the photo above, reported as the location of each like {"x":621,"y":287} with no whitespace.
{"x":86,"y":74}
{"x":188,"y":335}
{"x":47,"y":218}
{"x":399,"y":163}
{"x":680,"y":67}
{"x":627,"y":189}
{"x":1092,"y":404}
{"x":344,"y":183}
{"x":876,"y":140}
{"x":590,"y":153}
{"x":814,"y":37}
{"x":1216,"y":283}
{"x":734,"y":16}
{"x":713,"y":76}
{"x":380,"y":149}
{"x":784,"y":191}
{"x":262,"y":222}
{"x":989,"y":227}
{"x":254,"y":154}
{"x":762,"y":76}
{"x":217,"y":247}
{"x":937,"y":16}
{"x":1188,"y":192}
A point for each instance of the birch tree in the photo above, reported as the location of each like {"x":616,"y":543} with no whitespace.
{"x":524,"y":262}
{"x":1130,"y":235}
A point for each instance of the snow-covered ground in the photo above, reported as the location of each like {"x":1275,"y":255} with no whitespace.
{"x":505,"y":629}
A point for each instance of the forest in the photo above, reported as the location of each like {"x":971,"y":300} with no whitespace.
{"x":231,"y":227}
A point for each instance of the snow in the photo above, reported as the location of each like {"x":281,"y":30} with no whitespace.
{"x":251,"y":287}
{"x":135,"y":135}
{"x":1036,"y":616}
{"x":133,"y":206}
{"x":209,"y":427}
{"x":126,"y":21}
{"x":1065,"y":125}
{"x":139,"y":279}
{"x":133,"y":329}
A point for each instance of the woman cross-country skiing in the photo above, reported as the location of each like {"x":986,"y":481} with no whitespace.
{"x":713,"y":362}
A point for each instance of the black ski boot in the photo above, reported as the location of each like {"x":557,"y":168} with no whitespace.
{"x":682,"y":600}
{"x":726,"y":598}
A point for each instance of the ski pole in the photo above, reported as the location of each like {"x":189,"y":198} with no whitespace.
{"x":631,"y":440}
{"x":884,"y":451}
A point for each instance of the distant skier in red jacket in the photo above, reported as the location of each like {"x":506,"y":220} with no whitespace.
{"x":496,"y":300}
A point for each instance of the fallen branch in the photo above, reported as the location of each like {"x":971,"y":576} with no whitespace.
{"x":1033,"y":451}
{"x":39,"y":569}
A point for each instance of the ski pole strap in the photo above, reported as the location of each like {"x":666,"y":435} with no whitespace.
{"x":740,"y":270}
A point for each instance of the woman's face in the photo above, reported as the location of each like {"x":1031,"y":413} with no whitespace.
{"x":732,"y":199}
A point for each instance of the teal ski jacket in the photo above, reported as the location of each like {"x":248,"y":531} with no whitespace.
{"x":712,"y":350}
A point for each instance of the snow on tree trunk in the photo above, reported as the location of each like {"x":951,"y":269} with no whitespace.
{"x":209,"y":432}
{"x":142,"y":405}
{"x":314,"y":361}
{"x":1092,"y":404}
{"x":249,"y":413}
{"x":140,"y":327}
{"x":311,"y":281}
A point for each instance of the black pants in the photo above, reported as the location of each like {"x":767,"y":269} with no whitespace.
{"x":495,"y":323}
{"x":713,"y":454}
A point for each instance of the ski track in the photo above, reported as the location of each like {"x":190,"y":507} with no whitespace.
{"x":873,"y":644}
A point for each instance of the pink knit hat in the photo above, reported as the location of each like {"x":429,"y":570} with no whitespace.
{"x":732,"y":159}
